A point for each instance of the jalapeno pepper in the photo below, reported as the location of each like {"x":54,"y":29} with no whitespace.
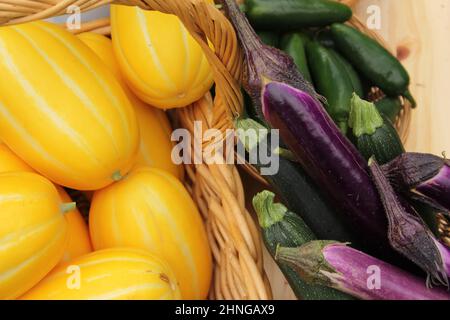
{"x":332,"y":81}
{"x":372,"y":60}
{"x":389,"y":107}
{"x":294,"y":45}
{"x":325,"y":38}
{"x":290,"y":15}
{"x":353,"y":75}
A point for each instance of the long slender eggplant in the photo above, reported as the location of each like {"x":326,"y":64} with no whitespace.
{"x":297,"y":190}
{"x":263,"y":63}
{"x":329,"y":157}
{"x":356,"y":273}
{"x":424,"y":177}
{"x":408,"y":234}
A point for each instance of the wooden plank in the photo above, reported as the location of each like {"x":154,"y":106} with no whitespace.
{"x":419,"y":28}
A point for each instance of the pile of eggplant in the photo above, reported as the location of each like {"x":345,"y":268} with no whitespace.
{"x":354,"y":206}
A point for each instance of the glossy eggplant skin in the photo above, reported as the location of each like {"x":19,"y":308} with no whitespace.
{"x":301,"y":195}
{"x":330,"y":158}
{"x":291,"y":232}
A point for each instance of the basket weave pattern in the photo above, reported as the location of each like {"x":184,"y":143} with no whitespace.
{"x":217,"y":189}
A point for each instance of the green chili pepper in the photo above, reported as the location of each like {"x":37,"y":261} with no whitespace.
{"x":389,"y":107}
{"x":291,"y":15}
{"x":294,"y":45}
{"x":372,"y":60}
{"x":332,"y":81}
{"x":353,"y":75}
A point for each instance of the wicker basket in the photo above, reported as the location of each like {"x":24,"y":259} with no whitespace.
{"x":217,"y":189}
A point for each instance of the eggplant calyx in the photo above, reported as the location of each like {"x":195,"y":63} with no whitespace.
{"x":309,"y":262}
{"x":431,"y":203}
{"x":262,"y":61}
{"x":407,"y":233}
{"x":364,"y":117}
{"x":410,"y":169}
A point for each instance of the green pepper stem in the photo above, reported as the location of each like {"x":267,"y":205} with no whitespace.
{"x":268,"y":212}
{"x":408,"y":96}
{"x":364,"y":117}
{"x":67,"y":207}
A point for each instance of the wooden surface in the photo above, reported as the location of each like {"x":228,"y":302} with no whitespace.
{"x":419,"y":31}
{"x":422,"y":27}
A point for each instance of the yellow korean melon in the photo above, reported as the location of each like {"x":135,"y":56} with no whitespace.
{"x":161,"y":62}
{"x":151,"y":209}
{"x":78,"y":242}
{"x":155,"y":149}
{"x":78,"y":239}
{"x":111,"y":274}
{"x":32,"y":231}
{"x":61,"y":110}
{"x":9,"y":162}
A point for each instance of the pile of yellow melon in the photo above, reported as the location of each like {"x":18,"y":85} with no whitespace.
{"x":87,"y":113}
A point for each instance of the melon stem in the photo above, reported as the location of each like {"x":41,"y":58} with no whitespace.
{"x":66,"y":207}
{"x":117,"y":176}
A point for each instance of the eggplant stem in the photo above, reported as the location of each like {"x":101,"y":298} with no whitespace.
{"x":242,"y":26}
{"x":406,"y":231}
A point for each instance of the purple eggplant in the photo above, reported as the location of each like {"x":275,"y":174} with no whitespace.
{"x":351,"y":271}
{"x":424,"y":177}
{"x":329,"y":157}
{"x":408,"y":234}
{"x":262,"y":62}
